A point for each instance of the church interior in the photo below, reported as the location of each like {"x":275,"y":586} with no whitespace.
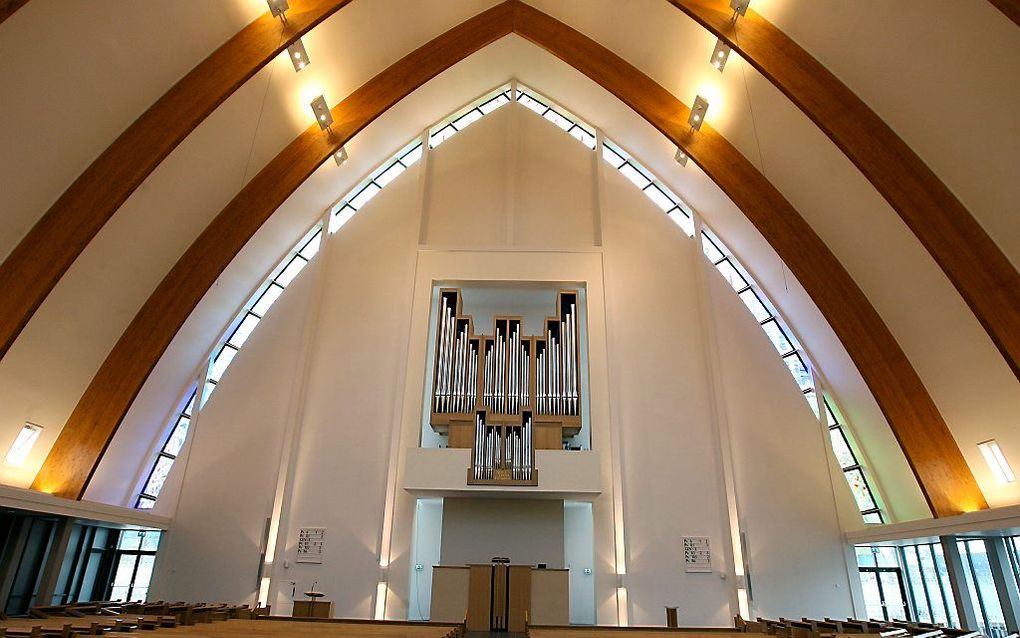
{"x":521,"y":318}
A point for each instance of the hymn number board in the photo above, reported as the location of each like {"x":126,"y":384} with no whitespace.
{"x":697,"y":554}
{"x":311,"y":544}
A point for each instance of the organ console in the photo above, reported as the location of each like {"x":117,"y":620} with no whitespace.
{"x":508,"y":394}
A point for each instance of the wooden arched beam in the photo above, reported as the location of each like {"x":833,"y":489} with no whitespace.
{"x":39,"y":260}
{"x":1010,"y":8}
{"x":930,"y":449}
{"x":982,"y":274}
{"x":8,"y":7}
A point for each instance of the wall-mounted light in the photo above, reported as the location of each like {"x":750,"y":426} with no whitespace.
{"x":997,"y":461}
{"x":720,"y":54}
{"x":278,"y":8}
{"x":340,"y":156}
{"x":698,"y":112}
{"x":298,"y":55}
{"x":681,"y":157}
{"x":26,"y":438}
{"x":739,"y":7}
{"x":322,"y":114}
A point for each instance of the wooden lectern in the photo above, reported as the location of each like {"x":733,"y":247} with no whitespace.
{"x":499,"y":597}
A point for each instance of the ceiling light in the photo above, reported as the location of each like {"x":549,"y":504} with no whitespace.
{"x":27,"y":437}
{"x":997,"y":461}
{"x":322,"y":114}
{"x":739,"y":7}
{"x":681,"y":157}
{"x":720,"y":54}
{"x":298,"y":55}
{"x":698,"y":112}
{"x":278,"y":8}
{"x":340,"y":156}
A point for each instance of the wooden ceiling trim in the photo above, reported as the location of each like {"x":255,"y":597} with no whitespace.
{"x":39,"y":260}
{"x":928,"y":445}
{"x":979,"y":270}
{"x":8,"y":7}
{"x":1009,"y":8}
{"x":91,"y":426}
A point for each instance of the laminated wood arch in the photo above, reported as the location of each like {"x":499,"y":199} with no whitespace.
{"x":8,"y":7}
{"x":928,"y":445}
{"x":41,"y":258}
{"x":981,"y":273}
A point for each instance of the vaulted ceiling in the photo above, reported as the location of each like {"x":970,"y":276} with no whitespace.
{"x":823,"y":142}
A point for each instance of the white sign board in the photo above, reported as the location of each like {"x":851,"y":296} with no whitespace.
{"x":310,"y":545}
{"x":697,"y":554}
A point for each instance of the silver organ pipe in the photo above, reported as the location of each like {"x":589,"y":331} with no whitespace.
{"x":502,"y":383}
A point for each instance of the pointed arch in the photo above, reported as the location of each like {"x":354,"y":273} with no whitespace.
{"x":975,"y":265}
{"x":927,"y":443}
{"x":32,"y":270}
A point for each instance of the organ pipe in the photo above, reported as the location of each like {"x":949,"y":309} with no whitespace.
{"x":499,"y":384}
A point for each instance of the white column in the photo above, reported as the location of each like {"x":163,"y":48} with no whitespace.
{"x":395,"y":453}
{"x":615,"y":451}
{"x":276,"y":537}
{"x":720,"y":416}
{"x":512,"y":149}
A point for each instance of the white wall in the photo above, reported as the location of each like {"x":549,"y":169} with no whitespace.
{"x":578,"y":555}
{"x":650,"y":405}
{"x":60,"y":59}
{"x":426,"y":547}
{"x":527,"y":531}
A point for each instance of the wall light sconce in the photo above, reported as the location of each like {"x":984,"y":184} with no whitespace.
{"x":739,"y":7}
{"x":340,"y":156}
{"x":279,"y":8}
{"x":997,"y":461}
{"x":322,"y":114}
{"x":298,"y":55}
{"x":720,"y":54}
{"x":698,"y":112}
{"x":22,"y":445}
{"x":681,"y":157}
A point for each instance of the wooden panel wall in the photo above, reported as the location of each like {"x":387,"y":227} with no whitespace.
{"x":36,"y":264}
{"x":982,"y":274}
{"x":928,"y":445}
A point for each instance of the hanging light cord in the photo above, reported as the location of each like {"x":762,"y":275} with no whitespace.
{"x":262,"y":109}
{"x":754,"y":129}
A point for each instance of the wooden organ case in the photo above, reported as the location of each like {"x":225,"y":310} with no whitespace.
{"x":506,"y":394}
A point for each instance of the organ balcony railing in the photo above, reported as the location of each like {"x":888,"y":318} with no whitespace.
{"x":508,"y":394}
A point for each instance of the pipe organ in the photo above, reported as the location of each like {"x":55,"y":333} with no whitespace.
{"x":506,"y":394}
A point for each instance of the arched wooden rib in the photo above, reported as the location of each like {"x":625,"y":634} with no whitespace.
{"x":95,"y":419}
{"x":982,"y":274}
{"x":927,"y":443}
{"x":929,"y":447}
{"x":1010,"y":8}
{"x":8,"y":7}
{"x":39,"y":260}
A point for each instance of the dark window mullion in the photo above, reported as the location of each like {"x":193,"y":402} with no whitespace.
{"x":924,"y":582}
{"x":977,"y":587}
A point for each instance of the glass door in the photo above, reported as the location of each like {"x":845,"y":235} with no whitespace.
{"x":885,"y":596}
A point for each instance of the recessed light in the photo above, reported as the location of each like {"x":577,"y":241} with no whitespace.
{"x":698,"y":112}
{"x":322,"y":114}
{"x":997,"y":461}
{"x":720,"y":55}
{"x":22,"y":445}
{"x":298,"y":55}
